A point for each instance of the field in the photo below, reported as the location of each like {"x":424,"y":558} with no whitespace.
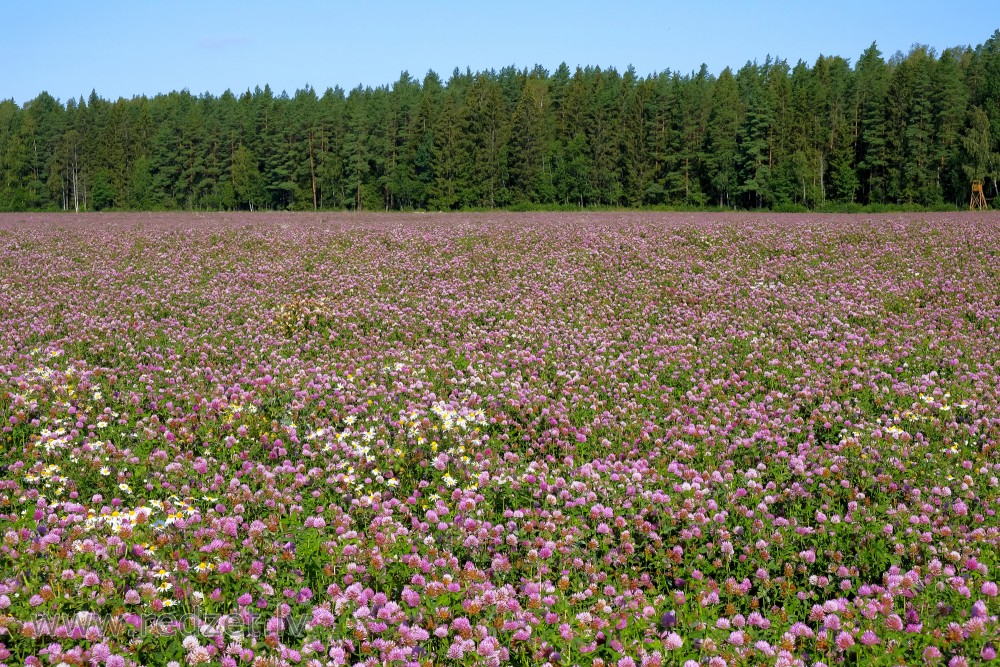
{"x":593,"y":439}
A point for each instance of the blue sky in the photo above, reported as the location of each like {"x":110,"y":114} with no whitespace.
{"x":122,"y":49}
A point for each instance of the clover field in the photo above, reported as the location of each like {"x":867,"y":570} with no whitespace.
{"x":618,"y":439}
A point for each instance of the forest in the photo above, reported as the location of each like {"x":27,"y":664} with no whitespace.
{"x":908,"y":130}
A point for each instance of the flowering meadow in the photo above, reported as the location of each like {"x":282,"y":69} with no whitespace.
{"x":472,"y":439}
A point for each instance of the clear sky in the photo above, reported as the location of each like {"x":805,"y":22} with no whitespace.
{"x":135,"y":47}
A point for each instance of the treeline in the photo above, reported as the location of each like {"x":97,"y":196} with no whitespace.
{"x":910,"y":130}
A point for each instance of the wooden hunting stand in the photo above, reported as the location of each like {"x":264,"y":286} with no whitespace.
{"x":978,"y":199}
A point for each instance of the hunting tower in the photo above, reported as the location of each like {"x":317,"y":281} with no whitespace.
{"x":978,"y":199}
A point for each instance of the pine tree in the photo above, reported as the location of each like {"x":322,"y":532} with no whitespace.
{"x":418,"y":147}
{"x":661,"y":107}
{"x":721,"y":151}
{"x":911,"y":85}
{"x":484,"y":143}
{"x":636,"y":163}
{"x":754,"y":135}
{"x":603,"y":129}
{"x":331,"y":173}
{"x":14,"y":159}
{"x":530,"y":175}
{"x":356,"y":147}
{"x":979,"y":161}
{"x":950,"y":102}
{"x":872,"y":153}
{"x":246,"y":178}
{"x":444,"y":193}
{"x":694,"y":95}
{"x":573,"y":174}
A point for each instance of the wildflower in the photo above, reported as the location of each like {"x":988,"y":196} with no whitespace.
{"x":100,"y":652}
{"x":199,"y":655}
{"x":931,"y":654}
